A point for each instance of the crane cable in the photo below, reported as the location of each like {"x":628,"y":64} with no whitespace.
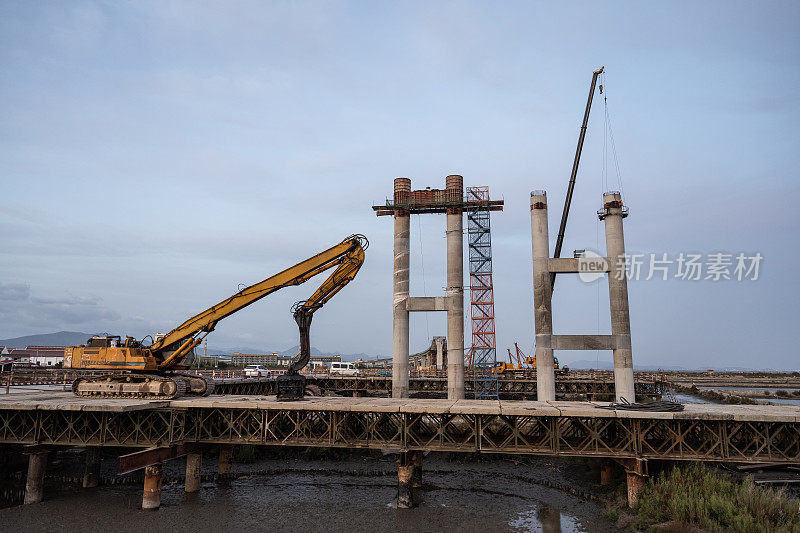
{"x":609,"y":134}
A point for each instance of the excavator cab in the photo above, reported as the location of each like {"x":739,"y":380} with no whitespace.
{"x":105,"y":341}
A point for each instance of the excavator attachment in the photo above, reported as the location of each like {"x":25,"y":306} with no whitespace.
{"x":291,"y":386}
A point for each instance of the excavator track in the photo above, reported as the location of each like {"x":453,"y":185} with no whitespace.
{"x":197,"y":385}
{"x":139,"y":386}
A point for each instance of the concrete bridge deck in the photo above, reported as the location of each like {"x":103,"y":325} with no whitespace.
{"x":700,"y":432}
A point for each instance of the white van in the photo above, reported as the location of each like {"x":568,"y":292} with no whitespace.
{"x":344,"y":369}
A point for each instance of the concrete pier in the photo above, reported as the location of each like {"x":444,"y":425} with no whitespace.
{"x":34,"y":485}
{"x":439,"y":352}
{"x":454,"y":189}
{"x":91,"y":470}
{"x":224,"y":464}
{"x":613,"y":213}
{"x":542,"y":295}
{"x":151,"y":496}
{"x":400,"y":321}
{"x":194,"y":463}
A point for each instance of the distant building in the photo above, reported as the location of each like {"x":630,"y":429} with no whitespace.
{"x":244,"y":359}
{"x":326,"y":359}
{"x":38,"y":355}
{"x":276,"y":360}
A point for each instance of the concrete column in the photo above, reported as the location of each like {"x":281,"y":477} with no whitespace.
{"x":454,"y":186}
{"x":542,"y":294}
{"x":224,"y":465}
{"x":153,"y":475}
{"x":400,"y":322}
{"x":34,"y":486}
{"x":91,"y":470}
{"x":405,"y":498}
{"x":194,"y":463}
{"x":439,"y":353}
{"x":613,"y":214}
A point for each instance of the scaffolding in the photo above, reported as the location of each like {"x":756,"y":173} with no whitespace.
{"x":483,"y":353}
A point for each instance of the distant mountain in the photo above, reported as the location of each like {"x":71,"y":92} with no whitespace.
{"x":62,"y":338}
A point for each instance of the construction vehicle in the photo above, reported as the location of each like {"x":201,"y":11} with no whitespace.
{"x":524,"y":366}
{"x":154,"y":371}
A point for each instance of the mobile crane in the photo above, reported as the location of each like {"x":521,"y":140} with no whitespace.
{"x":154,"y":371}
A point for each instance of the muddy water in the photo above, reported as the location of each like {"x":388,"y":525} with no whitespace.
{"x":329,"y":496}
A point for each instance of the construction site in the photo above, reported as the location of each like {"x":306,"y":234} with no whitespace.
{"x":448,"y":430}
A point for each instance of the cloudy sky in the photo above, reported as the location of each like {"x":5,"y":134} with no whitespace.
{"x":155,"y":155}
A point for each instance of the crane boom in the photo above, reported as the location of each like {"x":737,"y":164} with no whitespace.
{"x":568,"y":200}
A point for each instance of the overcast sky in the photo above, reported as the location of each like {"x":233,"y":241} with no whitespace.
{"x":155,"y":155}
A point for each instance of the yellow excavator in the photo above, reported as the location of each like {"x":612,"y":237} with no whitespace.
{"x":154,"y":371}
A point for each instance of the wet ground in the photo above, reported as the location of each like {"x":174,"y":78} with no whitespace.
{"x":357,"y":494}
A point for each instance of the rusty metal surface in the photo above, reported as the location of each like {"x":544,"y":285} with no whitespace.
{"x":140,"y":459}
{"x":716,"y":435}
{"x":593,"y":389}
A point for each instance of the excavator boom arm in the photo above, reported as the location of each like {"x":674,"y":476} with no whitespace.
{"x":295,"y":275}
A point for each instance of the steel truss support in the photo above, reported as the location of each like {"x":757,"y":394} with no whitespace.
{"x":603,"y":435}
{"x":483,"y":354}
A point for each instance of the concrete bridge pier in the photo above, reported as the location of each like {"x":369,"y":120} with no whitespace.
{"x":153,"y":476}
{"x":542,"y":299}
{"x":400,"y":320}
{"x":612,"y":213}
{"x":34,"y":485}
{"x":454,"y":190}
{"x":91,"y":470}
{"x":194,"y":463}
{"x":439,"y":352}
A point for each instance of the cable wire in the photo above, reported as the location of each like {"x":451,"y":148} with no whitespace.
{"x":653,"y":407}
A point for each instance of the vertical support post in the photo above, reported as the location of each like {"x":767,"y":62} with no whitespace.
{"x":439,"y":353}
{"x":542,"y":299}
{"x":400,"y":322}
{"x":416,"y":469}
{"x":613,"y":213}
{"x":194,"y":464}
{"x":454,"y":190}
{"x":224,"y":465}
{"x":151,"y":497}
{"x":34,"y":485}
{"x":405,"y":467}
{"x":91,"y":470}
{"x":636,"y":472}
{"x":606,"y":472}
